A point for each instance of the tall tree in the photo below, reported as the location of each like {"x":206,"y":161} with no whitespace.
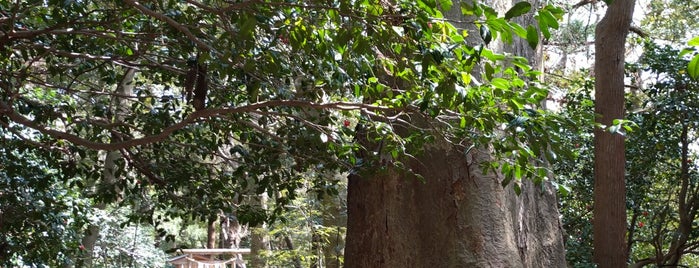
{"x":109,"y":180}
{"x":259,"y":242}
{"x":661,"y":164}
{"x":334,"y":222}
{"x":451,"y":213}
{"x":609,"y":188}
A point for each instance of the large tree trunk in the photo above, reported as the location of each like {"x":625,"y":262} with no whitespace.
{"x":609,"y":229}
{"x":459,"y":217}
{"x":535,"y":212}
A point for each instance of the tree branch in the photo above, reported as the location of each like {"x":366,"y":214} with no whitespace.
{"x":638,"y":31}
{"x":6,"y":109}
{"x":583,"y":3}
{"x":171,"y":22}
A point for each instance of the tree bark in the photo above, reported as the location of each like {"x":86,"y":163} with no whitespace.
{"x":232,"y":232}
{"x":315,"y":249}
{"x":259,"y":241}
{"x":457,"y":217}
{"x":685,"y":206}
{"x":109,"y":179}
{"x":334,"y":218}
{"x":211,"y":232}
{"x":290,"y":246}
{"x":609,"y":229}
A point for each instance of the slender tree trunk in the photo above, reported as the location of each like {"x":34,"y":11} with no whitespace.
{"x":631,"y":231}
{"x":315,"y":249}
{"x":259,"y":241}
{"x":333,"y":218}
{"x":610,"y":192}
{"x":290,"y":246}
{"x":685,"y":205}
{"x":459,"y":216}
{"x":211,"y":232}
{"x":232,"y":232}
{"x":109,"y":179}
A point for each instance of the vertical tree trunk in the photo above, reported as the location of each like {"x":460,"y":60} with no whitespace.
{"x":211,"y":232}
{"x":290,"y":246}
{"x":315,"y":249}
{"x":232,"y":232}
{"x":535,"y":213}
{"x":685,"y":204}
{"x":333,"y":218}
{"x":109,"y":180}
{"x":459,"y":217}
{"x":258,"y":240}
{"x":610,"y":193}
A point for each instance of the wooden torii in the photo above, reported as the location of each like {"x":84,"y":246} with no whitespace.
{"x":206,"y":258}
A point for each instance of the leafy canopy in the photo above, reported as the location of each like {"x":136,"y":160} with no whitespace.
{"x":292,"y":87}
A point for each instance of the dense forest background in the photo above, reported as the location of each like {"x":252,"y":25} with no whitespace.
{"x":350,"y":133}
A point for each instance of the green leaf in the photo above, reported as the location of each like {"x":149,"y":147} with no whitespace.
{"x":693,"y":67}
{"x":519,"y":30}
{"x":532,"y":36}
{"x":686,"y":51}
{"x":518,"y":9}
{"x":507,"y":172}
{"x":563,"y":190}
{"x":457,"y":38}
{"x":557,"y":12}
{"x":466,"y":78}
{"x":467,"y":9}
{"x":549,"y":18}
{"x":248,"y":26}
{"x":446,"y":4}
{"x":694,"y":41}
{"x":489,"y":12}
{"x":544,"y":27}
{"x":489,"y":71}
{"x":501,"y":83}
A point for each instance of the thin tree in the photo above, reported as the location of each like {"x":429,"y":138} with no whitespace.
{"x":610,"y":192}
